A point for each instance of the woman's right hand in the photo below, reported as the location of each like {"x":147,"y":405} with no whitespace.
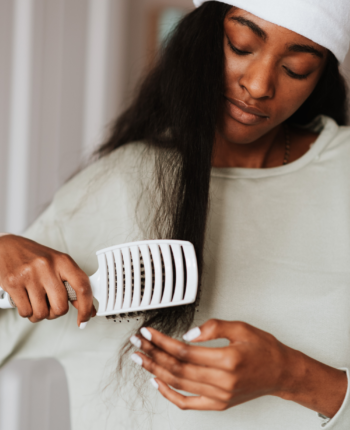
{"x":33,"y":276}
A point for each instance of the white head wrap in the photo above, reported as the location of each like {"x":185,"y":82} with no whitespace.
{"x":325,"y":22}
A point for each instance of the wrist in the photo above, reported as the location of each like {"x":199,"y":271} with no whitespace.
{"x":313,"y":384}
{"x":292,"y":374}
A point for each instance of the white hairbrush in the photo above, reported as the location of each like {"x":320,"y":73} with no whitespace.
{"x":139,"y":276}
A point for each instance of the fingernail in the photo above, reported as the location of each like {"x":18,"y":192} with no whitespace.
{"x":137,"y":359}
{"x":192,"y":334}
{"x":146,"y":333}
{"x":135,"y":341}
{"x":154,"y":383}
{"x":82,"y":325}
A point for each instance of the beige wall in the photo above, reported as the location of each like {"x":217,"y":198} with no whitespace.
{"x":141,"y":12}
{"x":63,"y":71}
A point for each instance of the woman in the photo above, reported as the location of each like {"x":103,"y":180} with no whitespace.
{"x":246,"y":99}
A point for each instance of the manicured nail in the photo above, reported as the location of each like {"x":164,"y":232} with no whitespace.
{"x":146,"y":333}
{"x":192,"y":334}
{"x":154,"y":383}
{"x":82,"y":325}
{"x":135,"y":341}
{"x":137,"y":359}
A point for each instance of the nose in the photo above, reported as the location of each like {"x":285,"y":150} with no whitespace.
{"x":259,"y":80}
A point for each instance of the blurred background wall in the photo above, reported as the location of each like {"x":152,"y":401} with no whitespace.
{"x":67,"y":68}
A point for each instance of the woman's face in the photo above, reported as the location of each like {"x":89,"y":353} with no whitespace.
{"x":269,"y":73}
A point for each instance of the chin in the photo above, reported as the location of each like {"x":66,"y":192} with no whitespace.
{"x":241,"y":134}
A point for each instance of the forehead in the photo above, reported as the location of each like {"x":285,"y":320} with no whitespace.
{"x":267,"y":31}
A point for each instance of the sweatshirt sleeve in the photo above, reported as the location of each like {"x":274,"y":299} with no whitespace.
{"x":341,"y":420}
{"x":46,"y":231}
{"x":15,"y":332}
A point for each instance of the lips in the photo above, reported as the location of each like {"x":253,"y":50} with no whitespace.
{"x":244,"y":113}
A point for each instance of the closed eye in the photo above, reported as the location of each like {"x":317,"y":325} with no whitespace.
{"x":289,"y":72}
{"x":236,"y":50}
{"x":295,"y":75}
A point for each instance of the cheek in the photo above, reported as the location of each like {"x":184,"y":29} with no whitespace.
{"x":234,"y":70}
{"x":290,"y":95}
{"x":295,"y":93}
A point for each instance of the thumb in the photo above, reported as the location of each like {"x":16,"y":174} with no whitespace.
{"x":214,"y":329}
{"x":76,"y":305}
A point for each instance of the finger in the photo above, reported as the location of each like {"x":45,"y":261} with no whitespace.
{"x":220,"y":329}
{"x":76,"y":305}
{"x":71,"y":272}
{"x":38,"y":300}
{"x":56,"y":294}
{"x":219,"y":358}
{"x":198,"y":403}
{"x":57,"y":297}
{"x":21,"y":299}
{"x":193,"y":387}
{"x":84,"y":298}
{"x":179,"y":369}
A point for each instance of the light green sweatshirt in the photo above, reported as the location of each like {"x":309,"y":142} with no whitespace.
{"x":277,"y":256}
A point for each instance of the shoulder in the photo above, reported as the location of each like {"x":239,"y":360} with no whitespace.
{"x":331,"y":139}
{"x":334,"y":149}
{"x":118,"y":163}
{"x":337,"y":149}
{"x":109,"y":175}
{"x":97,"y":207}
{"x":342,"y":137}
{"x":337,"y":136}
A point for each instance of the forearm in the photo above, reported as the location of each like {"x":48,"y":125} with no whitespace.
{"x":314,"y":385}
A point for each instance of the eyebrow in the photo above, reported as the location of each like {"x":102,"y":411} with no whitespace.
{"x":305,"y":48}
{"x":263,"y":35}
{"x":254,"y":27}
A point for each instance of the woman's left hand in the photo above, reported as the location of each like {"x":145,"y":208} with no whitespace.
{"x":254,"y":364}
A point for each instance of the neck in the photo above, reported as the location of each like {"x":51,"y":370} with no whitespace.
{"x":267,"y":151}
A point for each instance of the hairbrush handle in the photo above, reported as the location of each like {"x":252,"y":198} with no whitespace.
{"x":72,"y":295}
{"x":6,"y":301}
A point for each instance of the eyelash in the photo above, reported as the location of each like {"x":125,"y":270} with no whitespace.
{"x":236,"y":50}
{"x":289,"y":72}
{"x":295,"y":75}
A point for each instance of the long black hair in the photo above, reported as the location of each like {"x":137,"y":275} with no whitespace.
{"x":176,"y":109}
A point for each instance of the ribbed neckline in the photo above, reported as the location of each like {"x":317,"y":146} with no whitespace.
{"x":329,"y":129}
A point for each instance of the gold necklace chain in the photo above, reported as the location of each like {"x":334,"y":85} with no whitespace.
{"x":287,"y":150}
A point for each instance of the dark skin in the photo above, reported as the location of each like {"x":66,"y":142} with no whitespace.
{"x":33,"y":275}
{"x":274,"y":76}
{"x":255,"y":363}
{"x":262,"y":71}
